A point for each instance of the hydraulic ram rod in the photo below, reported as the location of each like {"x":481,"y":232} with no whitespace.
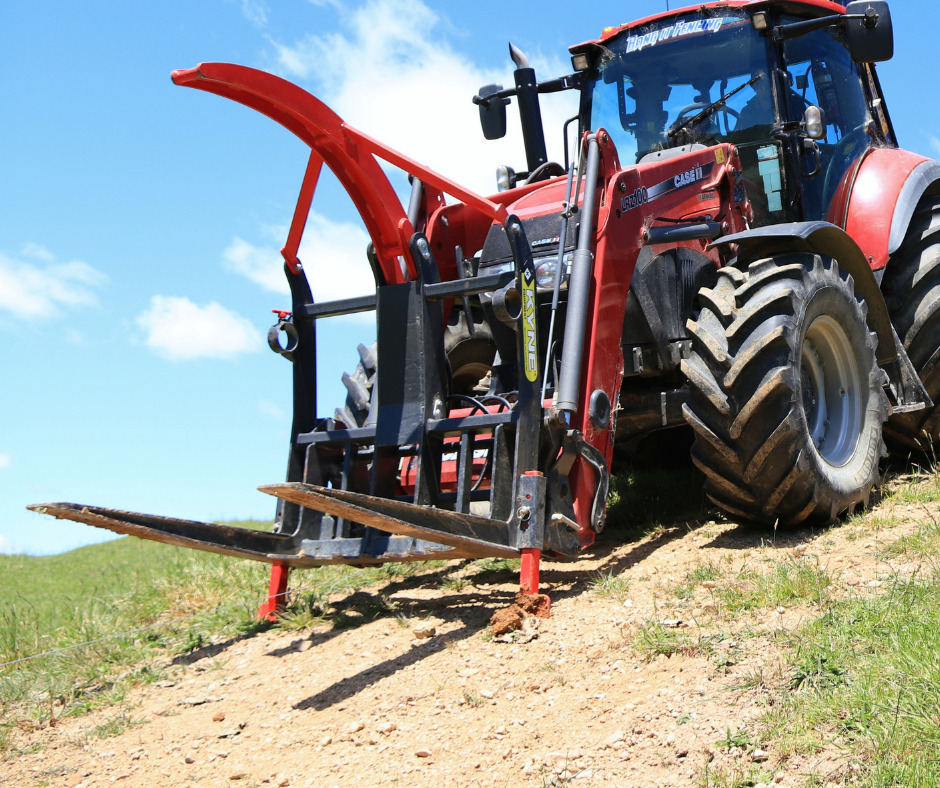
{"x":579,"y":289}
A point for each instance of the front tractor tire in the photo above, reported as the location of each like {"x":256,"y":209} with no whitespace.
{"x":786,"y":399}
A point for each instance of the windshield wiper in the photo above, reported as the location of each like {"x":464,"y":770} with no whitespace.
{"x":672,"y":133}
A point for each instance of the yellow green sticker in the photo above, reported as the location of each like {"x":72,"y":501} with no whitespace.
{"x":530,"y":340}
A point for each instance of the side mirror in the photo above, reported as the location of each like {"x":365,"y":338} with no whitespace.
{"x":492,"y":111}
{"x":814,"y":121}
{"x":869,"y":35}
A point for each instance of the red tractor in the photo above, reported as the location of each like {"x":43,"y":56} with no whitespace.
{"x":734,"y":242}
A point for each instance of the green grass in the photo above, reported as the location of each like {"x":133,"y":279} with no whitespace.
{"x":88,"y":598}
{"x":610,"y":585}
{"x":704,"y":571}
{"x":789,"y":581}
{"x":130,"y":606}
{"x":863,"y":677}
{"x":735,"y":777}
{"x":866,"y":675}
{"x":653,"y":639}
{"x":919,"y":487}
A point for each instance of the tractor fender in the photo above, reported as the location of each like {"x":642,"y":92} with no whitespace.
{"x":827,"y":239}
{"x":876,"y":205}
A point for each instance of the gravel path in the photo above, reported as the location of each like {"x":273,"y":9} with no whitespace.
{"x":429,"y":698}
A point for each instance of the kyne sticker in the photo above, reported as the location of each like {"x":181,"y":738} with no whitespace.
{"x":530,"y":340}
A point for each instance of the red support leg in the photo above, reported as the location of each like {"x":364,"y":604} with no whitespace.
{"x":529,"y":572}
{"x":277,"y":592}
{"x":529,"y":579}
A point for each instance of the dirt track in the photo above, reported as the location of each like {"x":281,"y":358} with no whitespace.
{"x":377,"y":705}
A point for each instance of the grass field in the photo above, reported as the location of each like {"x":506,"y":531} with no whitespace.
{"x":92,"y":595}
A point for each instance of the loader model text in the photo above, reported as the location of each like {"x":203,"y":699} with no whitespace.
{"x":634,"y":200}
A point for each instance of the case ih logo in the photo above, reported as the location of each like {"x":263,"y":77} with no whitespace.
{"x":689,"y":176}
{"x":642,"y":195}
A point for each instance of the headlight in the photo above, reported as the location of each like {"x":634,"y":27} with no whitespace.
{"x":546,"y":272}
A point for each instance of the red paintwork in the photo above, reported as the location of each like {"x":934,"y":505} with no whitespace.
{"x":349,"y":153}
{"x":408,"y":472}
{"x":277,"y":592}
{"x":822,"y":6}
{"x":529,"y":572}
{"x":620,"y":238}
{"x":301,"y":212}
{"x":864,"y":202}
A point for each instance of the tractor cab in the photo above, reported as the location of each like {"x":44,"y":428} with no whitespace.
{"x":782,"y":82}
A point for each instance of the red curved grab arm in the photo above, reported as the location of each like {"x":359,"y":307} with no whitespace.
{"x":349,"y":153}
{"x":322,"y":129}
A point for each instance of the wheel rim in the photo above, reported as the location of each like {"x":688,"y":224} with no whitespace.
{"x":832,"y":391}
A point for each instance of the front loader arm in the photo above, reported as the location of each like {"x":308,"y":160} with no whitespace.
{"x":348,"y":152}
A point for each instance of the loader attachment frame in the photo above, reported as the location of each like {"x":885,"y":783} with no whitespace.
{"x":345,"y":499}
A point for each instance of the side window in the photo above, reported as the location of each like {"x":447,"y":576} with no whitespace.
{"x":760,"y":153}
{"x":823,"y":74}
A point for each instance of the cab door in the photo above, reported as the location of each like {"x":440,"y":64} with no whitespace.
{"x":821,"y":72}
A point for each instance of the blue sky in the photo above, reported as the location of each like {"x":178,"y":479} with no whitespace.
{"x":141,"y":222}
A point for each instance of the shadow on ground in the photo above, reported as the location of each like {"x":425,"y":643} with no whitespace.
{"x":650,"y":508}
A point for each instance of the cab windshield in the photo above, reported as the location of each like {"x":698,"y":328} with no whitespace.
{"x":657,"y":81}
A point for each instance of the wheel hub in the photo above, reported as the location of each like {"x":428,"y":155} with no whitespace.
{"x":831,"y":391}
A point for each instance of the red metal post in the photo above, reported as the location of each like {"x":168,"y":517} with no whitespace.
{"x":529,"y":571}
{"x":277,"y":592}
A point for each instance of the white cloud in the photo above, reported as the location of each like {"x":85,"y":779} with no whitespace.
{"x":262,"y":265}
{"x":256,"y":12}
{"x":43,"y":288}
{"x":412,"y":91}
{"x":6,"y":460}
{"x":179,"y":330}
{"x":402,"y":64}
{"x":5,"y":547}
{"x":935,"y":144}
{"x":333,"y":255}
{"x":37,"y":251}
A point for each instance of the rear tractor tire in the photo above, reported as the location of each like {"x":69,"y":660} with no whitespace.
{"x":469,"y":353}
{"x":912,"y":291}
{"x":786,"y":399}
{"x":359,"y":387}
